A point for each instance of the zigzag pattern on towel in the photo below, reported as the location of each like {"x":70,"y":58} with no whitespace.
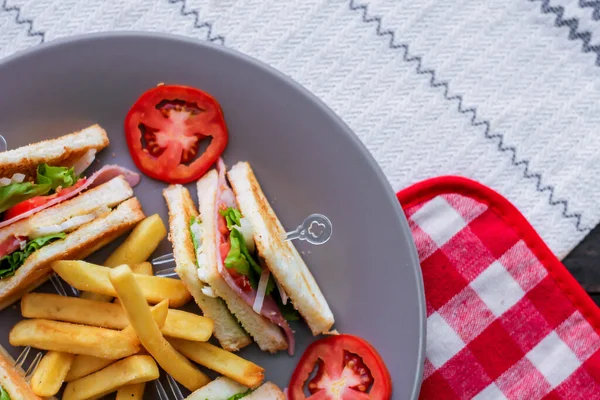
{"x":573,"y":25}
{"x":472,"y":111}
{"x":197,"y":23}
{"x":592,"y":4}
{"x":21,"y":21}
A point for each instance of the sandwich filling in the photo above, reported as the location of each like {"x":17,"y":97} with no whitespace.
{"x":4,"y":394}
{"x":237,"y":265}
{"x":53,"y":185}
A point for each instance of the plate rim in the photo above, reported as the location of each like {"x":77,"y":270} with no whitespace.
{"x":389,"y":191}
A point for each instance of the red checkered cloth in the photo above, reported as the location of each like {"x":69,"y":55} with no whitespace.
{"x":505,"y":319}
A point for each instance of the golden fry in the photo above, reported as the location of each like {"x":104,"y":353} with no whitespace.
{"x":144,"y":268}
{"x":158,"y":312}
{"x":140,"y":244}
{"x":94,"y":278}
{"x":135,"y":249}
{"x":231,"y":365}
{"x":178,"y":324}
{"x":134,"y":369}
{"x":50,"y":373}
{"x":85,"y":365}
{"x":131,"y":392}
{"x":132,"y":298}
{"x":71,"y":338}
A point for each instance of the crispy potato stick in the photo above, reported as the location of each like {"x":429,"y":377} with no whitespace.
{"x":94,"y":278}
{"x":134,"y":369}
{"x":144,"y":268}
{"x":189,"y":326}
{"x":158,"y":312}
{"x":136,"y":248}
{"x":222,"y":361}
{"x":71,"y":338}
{"x":131,"y":392}
{"x":178,"y":324}
{"x":85,"y":365}
{"x":73,"y":309}
{"x":50,"y":373}
{"x":132,"y":298}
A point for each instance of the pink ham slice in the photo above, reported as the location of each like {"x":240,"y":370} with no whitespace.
{"x":10,"y":244}
{"x":269,"y":309}
{"x":99,"y":177}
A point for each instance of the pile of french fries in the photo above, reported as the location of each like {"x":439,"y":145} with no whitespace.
{"x":97,"y":347}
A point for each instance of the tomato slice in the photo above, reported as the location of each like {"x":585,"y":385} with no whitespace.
{"x":37,"y":201}
{"x":347,"y":368}
{"x":164,"y":129}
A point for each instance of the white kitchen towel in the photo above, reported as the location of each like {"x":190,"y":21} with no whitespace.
{"x":503,"y":92}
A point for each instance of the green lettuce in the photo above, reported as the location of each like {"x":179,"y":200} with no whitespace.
{"x":236,"y":396}
{"x":47,"y":180}
{"x":4,"y":394}
{"x":10,"y":263}
{"x":232,"y":217}
{"x":195,"y":241}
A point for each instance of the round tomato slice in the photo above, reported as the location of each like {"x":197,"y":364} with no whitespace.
{"x":347,"y":368}
{"x":164,"y":129}
{"x":37,"y":201}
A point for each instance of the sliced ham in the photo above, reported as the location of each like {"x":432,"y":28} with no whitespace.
{"x":99,"y":177}
{"x":9,"y":245}
{"x":269,"y":308}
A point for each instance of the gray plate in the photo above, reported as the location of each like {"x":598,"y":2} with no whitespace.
{"x":306,"y":159}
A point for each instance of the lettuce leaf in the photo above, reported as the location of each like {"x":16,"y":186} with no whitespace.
{"x":10,"y":263}
{"x":195,"y":241}
{"x":232,"y":216}
{"x":47,"y":180}
{"x":236,"y":396}
{"x":4,"y":394}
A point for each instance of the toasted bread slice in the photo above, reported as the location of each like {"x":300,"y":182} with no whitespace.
{"x":76,"y":245}
{"x":221,"y":388}
{"x":181,"y":209}
{"x":12,"y":380}
{"x":281,"y":257}
{"x":267,"y":391}
{"x":63,"y":151}
{"x":106,"y":195}
{"x":267,"y":335}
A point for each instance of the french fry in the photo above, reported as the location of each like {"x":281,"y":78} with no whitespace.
{"x":189,"y":326}
{"x":132,"y":370}
{"x":94,"y":278}
{"x":144,"y":268}
{"x":50,"y":373}
{"x":73,"y":309}
{"x":71,"y":338}
{"x":178,"y":324}
{"x":85,"y":365}
{"x":131,"y":392}
{"x":140,"y":244}
{"x":226,"y":363}
{"x":132,"y":298}
{"x":135,"y":249}
{"x":158,"y":312}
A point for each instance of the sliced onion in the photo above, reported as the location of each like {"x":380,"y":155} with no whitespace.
{"x":228,"y":198}
{"x":247,"y":231}
{"x":67,"y":226}
{"x":76,"y":222}
{"x":22,"y":244}
{"x":261,"y":291}
{"x":282,"y":293}
{"x":84,"y":162}
{"x":18,"y":178}
{"x":5,"y":181}
{"x":208,"y":291}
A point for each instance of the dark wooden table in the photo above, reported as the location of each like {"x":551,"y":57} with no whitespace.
{"x":584,"y":264}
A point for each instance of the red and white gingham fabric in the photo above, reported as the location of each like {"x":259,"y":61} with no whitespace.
{"x":505,"y":320}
